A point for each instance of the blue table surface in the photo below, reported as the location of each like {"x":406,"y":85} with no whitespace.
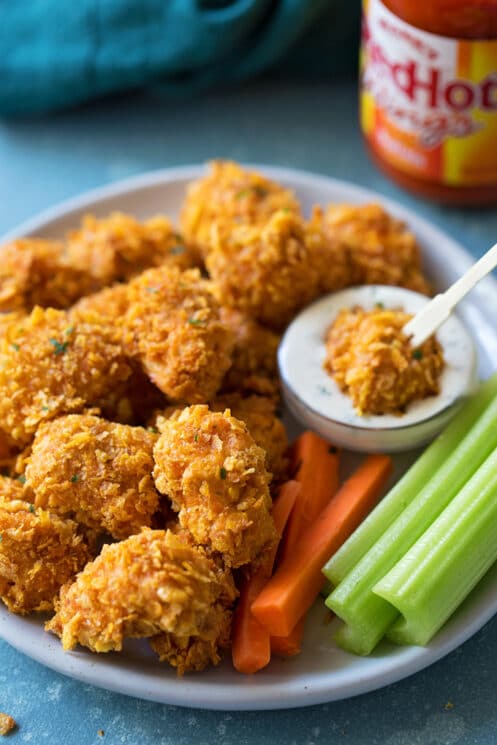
{"x":311,"y":126}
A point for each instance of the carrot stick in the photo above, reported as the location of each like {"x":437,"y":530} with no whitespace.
{"x":316,"y":467}
{"x":250,"y":647}
{"x":315,"y":463}
{"x":291,"y":591}
{"x":289,"y":646}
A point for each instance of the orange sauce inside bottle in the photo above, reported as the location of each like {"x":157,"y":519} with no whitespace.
{"x":457,"y":20}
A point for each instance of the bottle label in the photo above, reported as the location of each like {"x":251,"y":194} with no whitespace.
{"x":428,"y":102}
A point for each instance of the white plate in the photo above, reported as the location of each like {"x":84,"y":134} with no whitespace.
{"x":322,"y":672}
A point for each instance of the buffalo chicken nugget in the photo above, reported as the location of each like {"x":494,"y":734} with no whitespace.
{"x":379,"y":249}
{"x":38,"y":272}
{"x":208,"y":464}
{"x":39,"y":552}
{"x":266,"y":270}
{"x":173,"y":326}
{"x":96,"y":471}
{"x":118,"y":247}
{"x":152,"y":583}
{"x":51,"y":365}
{"x":254,"y":367}
{"x":230,"y":195}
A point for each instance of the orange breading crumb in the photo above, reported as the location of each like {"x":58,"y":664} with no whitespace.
{"x":50,"y":365}
{"x":7,"y":319}
{"x":37,"y":272}
{"x":97,"y":471}
{"x":39,"y":552}
{"x":7,"y":724}
{"x":369,"y":244}
{"x":254,"y":366}
{"x":227,"y":195}
{"x":373,"y":361}
{"x":118,"y":247}
{"x":210,"y":467}
{"x":173,"y":326}
{"x":152,"y":583}
{"x":266,"y":270}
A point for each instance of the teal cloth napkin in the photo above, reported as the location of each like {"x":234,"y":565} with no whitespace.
{"x":57,"y":53}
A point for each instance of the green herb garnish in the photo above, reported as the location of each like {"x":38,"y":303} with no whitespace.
{"x":59,"y":347}
{"x":195,"y":321}
{"x":22,"y":478}
{"x":74,"y":478}
{"x":380,"y":305}
{"x":177,"y":250}
{"x":32,"y":509}
{"x":15,"y":347}
{"x":222,"y":473}
{"x":195,"y":437}
{"x":417,"y":354}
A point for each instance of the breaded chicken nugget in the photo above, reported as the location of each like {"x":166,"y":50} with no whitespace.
{"x":254,"y":366}
{"x":266,"y":270}
{"x":152,"y":583}
{"x":50,"y":365}
{"x":377,"y":248}
{"x":96,"y":471}
{"x":39,"y":552}
{"x":38,"y":272}
{"x":173,"y":326}
{"x":259,"y":414}
{"x":118,"y":247}
{"x":230,"y":195}
{"x":215,"y":475}
{"x":268,"y":431}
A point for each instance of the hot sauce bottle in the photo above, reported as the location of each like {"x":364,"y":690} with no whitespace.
{"x":428,"y":96}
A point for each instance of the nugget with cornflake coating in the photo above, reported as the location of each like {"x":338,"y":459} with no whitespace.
{"x":229,"y":195}
{"x":259,"y":414}
{"x":34,"y":271}
{"x":208,"y":464}
{"x":266,"y":270}
{"x":51,"y":365}
{"x":152,"y":583}
{"x":254,"y":367}
{"x":39,"y":552}
{"x":173,"y":326}
{"x":118,"y":247}
{"x":371,"y":244}
{"x":96,"y":471}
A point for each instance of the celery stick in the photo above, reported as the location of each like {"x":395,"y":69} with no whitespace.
{"x":443,"y":566}
{"x":368,"y":616}
{"x":409,"y":485}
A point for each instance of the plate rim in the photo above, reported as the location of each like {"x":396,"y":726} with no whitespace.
{"x":192,"y":691}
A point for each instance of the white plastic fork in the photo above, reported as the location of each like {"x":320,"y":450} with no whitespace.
{"x":426,"y":322}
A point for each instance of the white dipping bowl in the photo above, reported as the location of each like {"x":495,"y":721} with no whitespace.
{"x":315,"y":399}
